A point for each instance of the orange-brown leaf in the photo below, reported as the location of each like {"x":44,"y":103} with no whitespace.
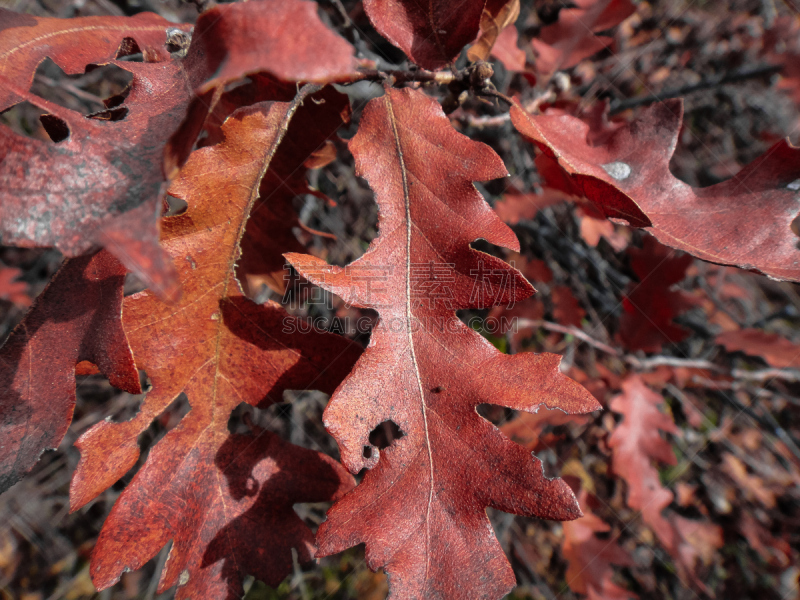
{"x":225,"y":500}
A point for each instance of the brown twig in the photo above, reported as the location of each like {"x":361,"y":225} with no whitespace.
{"x":645,"y":364}
{"x":569,"y":330}
{"x":731,"y":77}
{"x":69,"y":87}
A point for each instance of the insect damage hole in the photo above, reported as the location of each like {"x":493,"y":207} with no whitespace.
{"x":98,"y":88}
{"x":495,"y":414}
{"x":383,"y":436}
{"x":56,"y":128}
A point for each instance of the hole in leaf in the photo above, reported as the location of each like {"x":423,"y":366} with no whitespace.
{"x":56,"y":128}
{"x":796,"y":225}
{"x":113,"y":114}
{"x":84,"y":92}
{"x":383,"y":436}
{"x":174,"y":206}
{"x":23,"y":119}
{"x":496,"y":415}
{"x":133,"y":285}
{"x":129,"y":50}
{"x":165,"y":422}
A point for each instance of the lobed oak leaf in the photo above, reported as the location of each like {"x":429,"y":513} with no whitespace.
{"x":97,"y":183}
{"x":746,"y":221}
{"x":431,"y":33}
{"x":635,"y":443}
{"x":420,"y":508}
{"x":76,"y":318}
{"x":650,"y":306}
{"x":283,"y":37}
{"x":774,"y":349}
{"x":590,"y":558}
{"x":226,"y":500}
{"x":115,"y":202}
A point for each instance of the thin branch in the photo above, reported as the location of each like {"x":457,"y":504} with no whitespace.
{"x":645,"y":364}
{"x":712,"y":82}
{"x":69,"y":87}
{"x":569,"y":330}
{"x":502,"y":119}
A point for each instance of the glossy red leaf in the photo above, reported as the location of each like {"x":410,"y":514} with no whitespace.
{"x":76,"y":318}
{"x":225,"y":500}
{"x":430,"y":32}
{"x":421,"y":506}
{"x":745,"y":221}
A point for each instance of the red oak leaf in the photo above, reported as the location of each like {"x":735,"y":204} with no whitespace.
{"x":515,"y":206}
{"x":776,"y":351}
{"x":430,"y":32}
{"x":651,"y":305}
{"x":285,"y":38}
{"x":14,"y":291}
{"x":225,"y":500}
{"x":115,"y":202}
{"x":635,"y":443}
{"x":98,"y":181}
{"x":590,"y":559}
{"x":76,"y":318}
{"x":526,"y":428}
{"x":571,"y":39}
{"x":507,"y":51}
{"x":421,"y":506}
{"x":745,"y":221}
